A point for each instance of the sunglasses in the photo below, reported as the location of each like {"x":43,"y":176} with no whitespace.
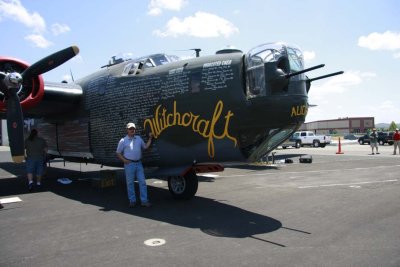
{"x":132,"y":129}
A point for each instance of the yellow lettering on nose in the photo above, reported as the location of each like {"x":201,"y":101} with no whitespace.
{"x":299,"y":111}
{"x":205,"y":128}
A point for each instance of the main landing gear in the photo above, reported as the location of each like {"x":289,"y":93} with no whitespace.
{"x":183,"y":187}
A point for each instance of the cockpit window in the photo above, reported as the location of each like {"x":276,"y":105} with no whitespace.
{"x":255,"y":61}
{"x":295,"y":59}
{"x":267,"y":66}
{"x":139,"y":64}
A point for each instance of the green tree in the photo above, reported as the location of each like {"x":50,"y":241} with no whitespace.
{"x":392,"y":126}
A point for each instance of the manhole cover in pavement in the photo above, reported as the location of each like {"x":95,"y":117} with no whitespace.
{"x":154,"y":242}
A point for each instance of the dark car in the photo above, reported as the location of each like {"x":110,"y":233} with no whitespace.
{"x":383,"y":138}
{"x":364,"y":139}
{"x":293,"y":142}
{"x":390,"y":138}
{"x":350,"y":137}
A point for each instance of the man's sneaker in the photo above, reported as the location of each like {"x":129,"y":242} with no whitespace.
{"x":146,"y":204}
{"x":132,"y":204}
{"x":378,"y":153}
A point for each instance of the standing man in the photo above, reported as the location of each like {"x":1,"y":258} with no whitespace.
{"x":374,"y":141}
{"x":36,"y":151}
{"x":129,"y":151}
{"x":396,"y":141}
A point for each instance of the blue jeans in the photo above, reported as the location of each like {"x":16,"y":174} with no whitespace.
{"x":132,"y":170}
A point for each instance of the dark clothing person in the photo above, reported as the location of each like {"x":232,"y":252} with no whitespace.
{"x":396,"y":141}
{"x":129,"y":151}
{"x":36,"y":151}
{"x":373,"y":137}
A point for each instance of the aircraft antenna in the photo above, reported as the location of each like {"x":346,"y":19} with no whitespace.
{"x":197,"y":50}
{"x":72,"y":76}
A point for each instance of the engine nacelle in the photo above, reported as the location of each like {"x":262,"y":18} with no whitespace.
{"x":31,"y":92}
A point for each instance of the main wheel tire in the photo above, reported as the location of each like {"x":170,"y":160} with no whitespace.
{"x":298,"y":144}
{"x":183,"y":187}
{"x":315,"y":143}
{"x":361,"y":142}
{"x":381,"y":142}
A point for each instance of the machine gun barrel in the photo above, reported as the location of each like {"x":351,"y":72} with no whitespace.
{"x":305,"y":70}
{"x":326,"y":76}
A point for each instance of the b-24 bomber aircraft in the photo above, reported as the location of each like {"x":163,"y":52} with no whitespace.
{"x":204,"y":111}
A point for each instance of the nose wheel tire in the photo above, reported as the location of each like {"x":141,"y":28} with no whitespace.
{"x":183,"y":187}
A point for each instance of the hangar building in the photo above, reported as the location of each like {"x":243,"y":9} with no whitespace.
{"x":340,"y":126}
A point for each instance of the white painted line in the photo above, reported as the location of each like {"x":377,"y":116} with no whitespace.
{"x":301,"y":172}
{"x":350,"y":184}
{"x":210,"y":175}
{"x":154,"y":242}
{"x":10,"y":200}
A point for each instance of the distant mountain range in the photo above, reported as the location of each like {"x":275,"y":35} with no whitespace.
{"x":385,"y":125}
{"x":382,"y":125}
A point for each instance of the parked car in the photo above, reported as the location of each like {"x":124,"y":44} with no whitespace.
{"x":390,"y":138}
{"x":350,"y":137}
{"x":308,"y":138}
{"x":383,"y":138}
{"x":291,"y":141}
{"x":364,"y":139}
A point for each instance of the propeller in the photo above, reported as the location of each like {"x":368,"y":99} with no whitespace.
{"x":11,"y":84}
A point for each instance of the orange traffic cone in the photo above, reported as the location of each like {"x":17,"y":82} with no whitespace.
{"x":339,"y":148}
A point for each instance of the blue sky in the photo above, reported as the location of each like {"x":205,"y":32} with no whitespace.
{"x":360,"y":37}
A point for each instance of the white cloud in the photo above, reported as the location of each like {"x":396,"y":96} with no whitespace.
{"x":14,"y":10}
{"x":380,"y":41}
{"x":384,"y":111}
{"x":58,"y":29}
{"x":202,"y":25}
{"x":309,"y":55}
{"x":156,"y":6}
{"x":38,"y":40}
{"x":396,"y":55}
{"x":338,"y":84}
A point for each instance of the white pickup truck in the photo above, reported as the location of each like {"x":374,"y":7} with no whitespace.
{"x":308,"y":138}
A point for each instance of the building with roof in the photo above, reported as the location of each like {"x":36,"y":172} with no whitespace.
{"x":340,"y":126}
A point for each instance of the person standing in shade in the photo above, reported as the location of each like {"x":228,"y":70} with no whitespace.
{"x":396,"y":141}
{"x":129,"y":151}
{"x":373,"y":137}
{"x":35,"y":152}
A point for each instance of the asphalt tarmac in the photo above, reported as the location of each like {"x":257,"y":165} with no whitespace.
{"x":340,"y":210}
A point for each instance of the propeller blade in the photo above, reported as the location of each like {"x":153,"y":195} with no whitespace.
{"x":50,"y":62}
{"x":15,"y":126}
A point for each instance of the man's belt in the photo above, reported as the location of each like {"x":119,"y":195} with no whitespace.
{"x":133,"y":160}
